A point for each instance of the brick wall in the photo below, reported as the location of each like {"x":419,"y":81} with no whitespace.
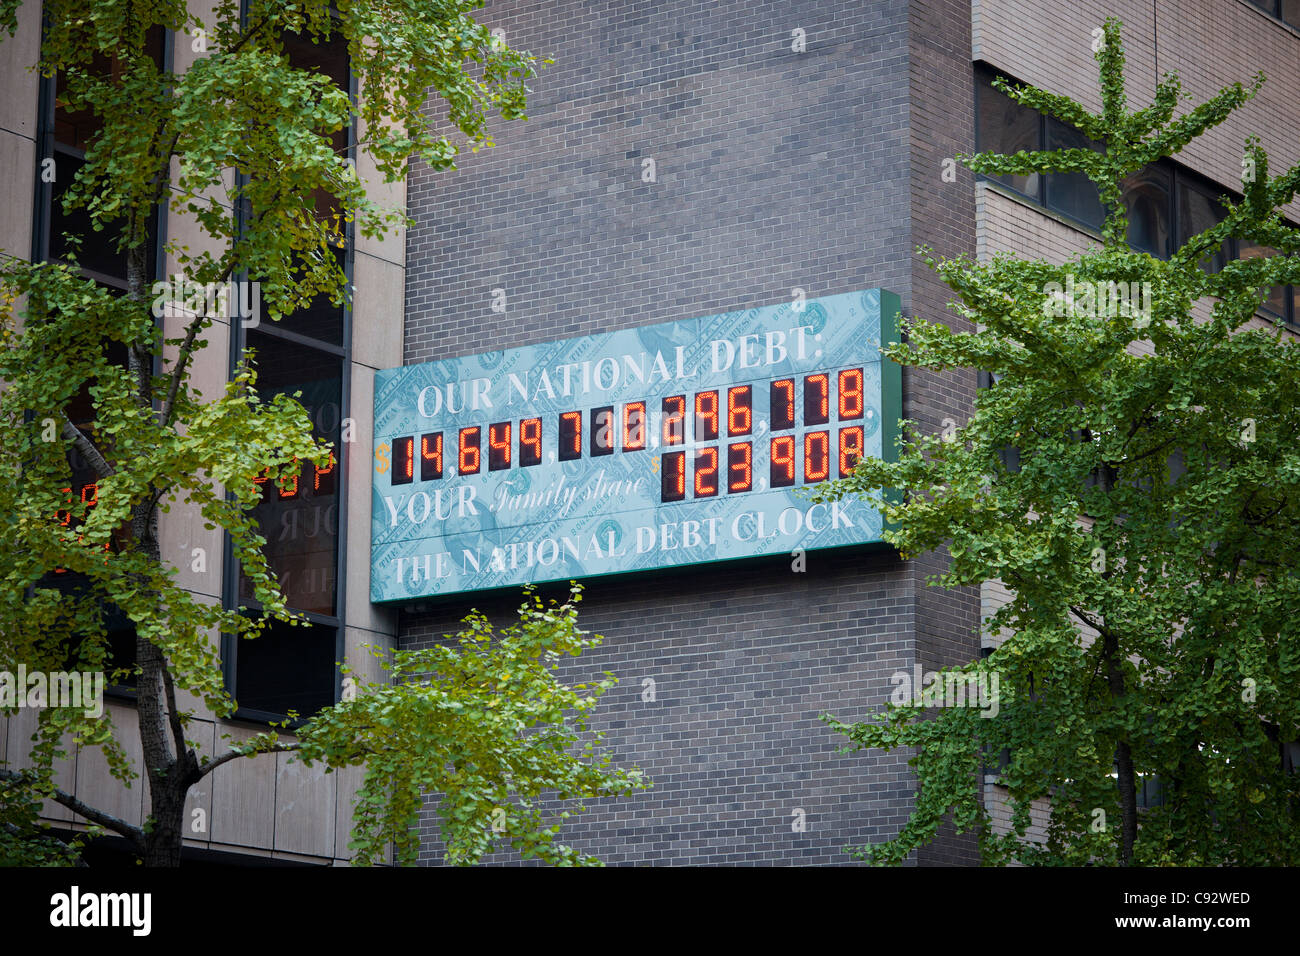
{"x":775,"y":170}
{"x":942,"y":124}
{"x":1209,"y":43}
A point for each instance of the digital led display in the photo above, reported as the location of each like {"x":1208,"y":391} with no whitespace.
{"x":675,"y":444}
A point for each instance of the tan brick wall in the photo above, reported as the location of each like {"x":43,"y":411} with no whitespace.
{"x":1210,"y":43}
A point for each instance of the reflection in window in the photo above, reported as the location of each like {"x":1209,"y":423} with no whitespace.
{"x":1007,"y":127}
{"x":1146,"y":201}
{"x":1199,"y":210}
{"x":293,"y":668}
{"x":299,"y":517}
{"x":1073,"y":193}
{"x":1277,"y":295}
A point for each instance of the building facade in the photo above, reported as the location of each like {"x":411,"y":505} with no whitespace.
{"x":684,"y":160}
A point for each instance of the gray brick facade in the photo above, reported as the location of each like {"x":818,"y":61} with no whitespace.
{"x":775,"y":170}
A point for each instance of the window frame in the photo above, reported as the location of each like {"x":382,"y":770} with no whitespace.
{"x":230,"y":643}
{"x":1179,"y":177}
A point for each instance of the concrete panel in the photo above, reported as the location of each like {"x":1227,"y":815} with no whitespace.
{"x":392,"y":247}
{"x":181,"y":530}
{"x":18,"y":159}
{"x":198,"y":827}
{"x":304,"y":808}
{"x":347,"y":783}
{"x":365,"y":666}
{"x":97,"y":787}
{"x":20,"y":728}
{"x":243,"y":795}
{"x":20,"y":83}
{"x":359,"y":611}
{"x":377,"y":312}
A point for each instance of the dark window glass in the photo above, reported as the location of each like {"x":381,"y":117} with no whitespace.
{"x":1073,"y":194}
{"x":82,"y":484}
{"x":1291,"y":12}
{"x":1147,"y":202}
{"x":322,"y":319}
{"x":96,"y":251}
{"x":300,"y":519}
{"x":1276,"y":300}
{"x":1198,"y":210}
{"x":328,"y":56}
{"x":1007,"y":127}
{"x":287,"y":667}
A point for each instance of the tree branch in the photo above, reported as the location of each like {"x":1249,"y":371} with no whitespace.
{"x":173,"y":716}
{"x":230,"y":755}
{"x":17,"y":833}
{"x":132,"y":833}
{"x":87,"y":448}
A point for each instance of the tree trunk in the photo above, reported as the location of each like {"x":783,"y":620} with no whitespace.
{"x":1125,"y":778}
{"x":168,"y":770}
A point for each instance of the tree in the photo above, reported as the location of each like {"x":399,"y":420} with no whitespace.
{"x":242,"y":107}
{"x":1147,"y":533}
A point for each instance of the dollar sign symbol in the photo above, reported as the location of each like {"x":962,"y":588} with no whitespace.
{"x":382,"y":462}
{"x":654,"y":464}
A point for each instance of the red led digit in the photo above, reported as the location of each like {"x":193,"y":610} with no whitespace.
{"x":634,"y":426}
{"x":740,"y":467}
{"x":290,"y":488}
{"x":740,"y":410}
{"x":674,"y":419}
{"x":850,"y":393}
{"x":530,"y":442}
{"x":602,"y":430}
{"x":782,"y":472}
{"x":498,"y":446}
{"x":93,"y":488}
{"x":817,"y":399}
{"x":782,"y":404}
{"x":816,"y":456}
{"x":851,"y":442}
{"x":706,"y":416}
{"x":327,"y":473}
{"x":673,"y":480}
{"x":403,"y":453}
{"x":705,"y":470}
{"x":67,"y":515}
{"x":431,"y":456}
{"x":469,"y":456}
{"x":570,"y":436}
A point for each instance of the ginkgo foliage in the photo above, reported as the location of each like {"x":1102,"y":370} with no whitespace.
{"x":243,"y":144}
{"x":1146,"y":526}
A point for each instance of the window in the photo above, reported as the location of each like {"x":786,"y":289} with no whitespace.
{"x":1004,"y":126}
{"x":1287,"y":11}
{"x":63,"y":136}
{"x":1073,"y":194}
{"x":1007,"y":127}
{"x":1147,"y":202}
{"x":1198,"y":209}
{"x":1166,"y":204}
{"x":292,"y":667}
{"x":1276,"y":301}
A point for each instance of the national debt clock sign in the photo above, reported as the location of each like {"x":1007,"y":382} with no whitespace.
{"x":676,"y":444}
